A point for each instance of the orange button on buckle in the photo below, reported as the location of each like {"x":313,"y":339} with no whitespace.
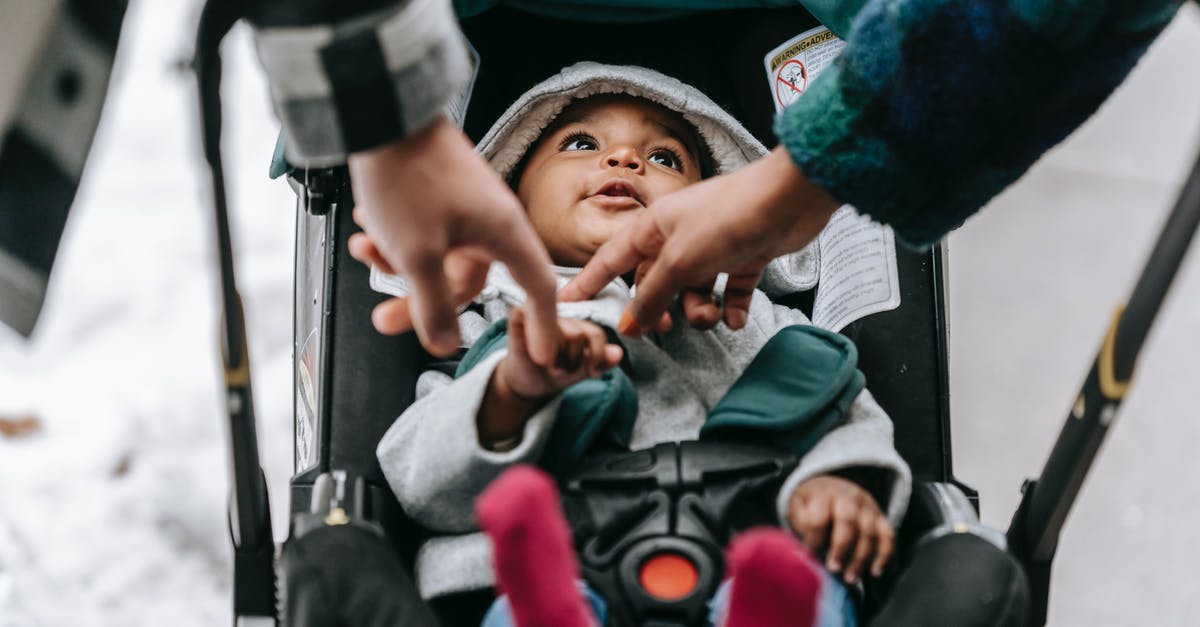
{"x":668,"y":576}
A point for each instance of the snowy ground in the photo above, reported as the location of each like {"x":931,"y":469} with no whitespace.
{"x":114,"y":513}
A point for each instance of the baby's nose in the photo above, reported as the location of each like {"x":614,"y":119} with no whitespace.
{"x":623,"y":157}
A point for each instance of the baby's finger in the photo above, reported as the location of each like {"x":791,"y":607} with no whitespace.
{"x":844,"y":535}
{"x":699,"y":309}
{"x":810,"y":519}
{"x":572,"y":347}
{"x":612,"y":356}
{"x":866,"y":546}
{"x":886,"y":544}
{"x":516,"y":334}
{"x":595,"y":354}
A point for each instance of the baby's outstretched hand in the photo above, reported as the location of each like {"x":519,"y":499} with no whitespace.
{"x":583,"y":352}
{"x":837,"y":516}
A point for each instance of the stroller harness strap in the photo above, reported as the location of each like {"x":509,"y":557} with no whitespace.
{"x":671,"y":507}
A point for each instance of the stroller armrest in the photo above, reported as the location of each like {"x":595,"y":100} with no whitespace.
{"x":938,"y":509}
{"x":951,"y":567}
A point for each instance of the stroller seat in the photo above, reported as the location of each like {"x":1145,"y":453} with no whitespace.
{"x":351,"y":382}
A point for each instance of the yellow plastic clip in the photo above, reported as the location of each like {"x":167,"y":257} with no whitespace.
{"x":239,"y":374}
{"x":337,"y":516}
{"x":1109,"y":386}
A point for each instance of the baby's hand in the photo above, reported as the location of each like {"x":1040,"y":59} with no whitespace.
{"x":583,"y":352}
{"x":835,"y":512}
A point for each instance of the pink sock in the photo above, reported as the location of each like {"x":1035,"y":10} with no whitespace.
{"x":775,"y":581}
{"x":533,"y":554}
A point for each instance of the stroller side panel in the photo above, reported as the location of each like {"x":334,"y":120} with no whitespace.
{"x":361,"y":380}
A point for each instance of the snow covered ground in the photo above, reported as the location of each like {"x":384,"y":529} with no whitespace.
{"x":113,"y":514}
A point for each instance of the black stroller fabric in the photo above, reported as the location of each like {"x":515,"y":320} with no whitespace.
{"x":348,"y":575}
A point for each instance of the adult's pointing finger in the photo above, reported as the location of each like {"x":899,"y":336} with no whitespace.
{"x":519,"y":248}
{"x":636,"y":243}
{"x":432,"y":307}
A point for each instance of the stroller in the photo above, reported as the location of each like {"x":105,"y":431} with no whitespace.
{"x":350,"y":382}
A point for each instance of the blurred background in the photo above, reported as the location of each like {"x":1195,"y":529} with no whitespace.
{"x":112,"y":511}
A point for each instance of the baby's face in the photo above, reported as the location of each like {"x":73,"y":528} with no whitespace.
{"x":604,"y":161}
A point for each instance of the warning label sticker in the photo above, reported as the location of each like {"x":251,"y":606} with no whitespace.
{"x":859,"y":272}
{"x":792,"y":66}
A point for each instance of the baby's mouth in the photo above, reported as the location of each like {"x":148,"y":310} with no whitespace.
{"x":617,"y":194}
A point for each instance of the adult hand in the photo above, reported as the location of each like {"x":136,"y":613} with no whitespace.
{"x":736,"y":223}
{"x":436,"y":213}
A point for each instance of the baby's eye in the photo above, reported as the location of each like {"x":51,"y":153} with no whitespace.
{"x":579,"y":142}
{"x":667,"y":158}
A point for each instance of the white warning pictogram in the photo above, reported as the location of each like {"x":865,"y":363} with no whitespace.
{"x":790,"y":81}
{"x":792,"y":66}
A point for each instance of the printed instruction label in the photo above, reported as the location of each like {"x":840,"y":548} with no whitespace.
{"x":792,"y":66}
{"x":859,"y":272}
{"x":306,"y":404}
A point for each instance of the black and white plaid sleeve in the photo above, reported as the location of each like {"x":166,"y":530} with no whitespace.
{"x":357,"y":74}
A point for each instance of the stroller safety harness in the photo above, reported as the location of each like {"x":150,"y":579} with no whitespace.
{"x":650,"y":526}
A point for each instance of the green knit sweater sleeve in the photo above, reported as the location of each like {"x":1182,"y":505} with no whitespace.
{"x":936,"y":105}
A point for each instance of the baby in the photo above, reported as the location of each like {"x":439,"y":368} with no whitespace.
{"x":586,"y":151}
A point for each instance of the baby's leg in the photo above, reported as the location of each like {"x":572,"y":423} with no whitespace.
{"x":775,"y":582}
{"x":532,"y":552}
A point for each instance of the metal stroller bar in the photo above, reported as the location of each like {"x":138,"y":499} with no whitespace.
{"x":249,"y":512}
{"x":1037,"y":523}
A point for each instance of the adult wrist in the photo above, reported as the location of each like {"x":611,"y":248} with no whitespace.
{"x":795,"y":202}
{"x":413,"y":145}
{"x":364,"y":81}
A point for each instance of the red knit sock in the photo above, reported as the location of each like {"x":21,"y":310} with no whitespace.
{"x":533,"y":554}
{"x":775,"y":581}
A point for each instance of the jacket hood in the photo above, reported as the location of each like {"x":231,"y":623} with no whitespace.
{"x":729,"y":144}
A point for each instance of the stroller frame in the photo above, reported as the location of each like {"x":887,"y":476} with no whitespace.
{"x":903,"y":352}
